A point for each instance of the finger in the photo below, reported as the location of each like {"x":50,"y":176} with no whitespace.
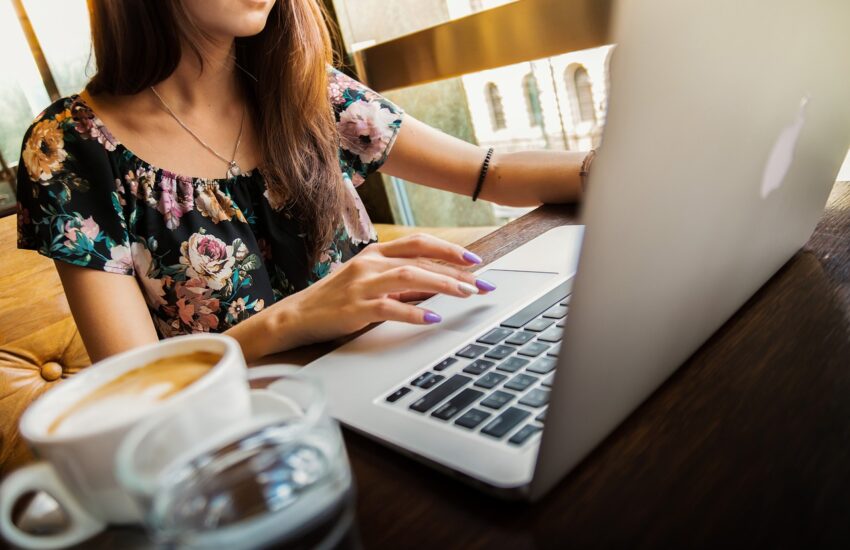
{"x":410,"y":278}
{"x":413,"y":296}
{"x":428,"y":246}
{"x":387,"y":309}
{"x":483,"y":285}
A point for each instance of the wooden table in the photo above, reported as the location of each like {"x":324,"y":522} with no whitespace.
{"x":748,"y":442}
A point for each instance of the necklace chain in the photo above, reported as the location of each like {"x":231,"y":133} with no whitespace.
{"x":233,"y":168}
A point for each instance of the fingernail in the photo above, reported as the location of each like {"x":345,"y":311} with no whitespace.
{"x":471,"y":257}
{"x":431,"y":317}
{"x":467,"y":288}
{"x":485,"y":285}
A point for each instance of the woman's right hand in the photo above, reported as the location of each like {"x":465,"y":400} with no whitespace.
{"x":369,"y":288}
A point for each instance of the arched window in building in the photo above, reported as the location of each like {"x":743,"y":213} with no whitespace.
{"x":581,"y":94}
{"x":532,"y":100}
{"x":497,"y":110}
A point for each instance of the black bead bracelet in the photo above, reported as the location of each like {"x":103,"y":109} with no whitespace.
{"x":482,"y":174}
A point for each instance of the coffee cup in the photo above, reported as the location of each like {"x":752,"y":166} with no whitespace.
{"x":76,"y":428}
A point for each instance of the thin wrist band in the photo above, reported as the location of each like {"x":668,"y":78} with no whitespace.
{"x":584,"y":171}
{"x":483,"y":174}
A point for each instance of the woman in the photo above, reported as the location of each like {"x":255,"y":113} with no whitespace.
{"x":242,"y":218}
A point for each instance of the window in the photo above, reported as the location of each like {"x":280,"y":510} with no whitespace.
{"x":581,"y":94}
{"x":532,"y":100}
{"x":497,"y":110}
{"x":61,"y":30}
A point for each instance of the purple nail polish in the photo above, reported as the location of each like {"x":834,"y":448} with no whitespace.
{"x":485,"y":285}
{"x":431,"y":317}
{"x":471,"y":257}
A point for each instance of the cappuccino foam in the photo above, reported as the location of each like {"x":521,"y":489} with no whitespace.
{"x":133,"y":393}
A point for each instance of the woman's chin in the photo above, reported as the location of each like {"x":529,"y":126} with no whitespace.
{"x":249,"y":28}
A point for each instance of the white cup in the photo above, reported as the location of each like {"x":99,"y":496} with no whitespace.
{"x":77,"y":469}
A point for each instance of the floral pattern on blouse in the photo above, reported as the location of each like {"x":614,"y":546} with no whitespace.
{"x":206,"y":253}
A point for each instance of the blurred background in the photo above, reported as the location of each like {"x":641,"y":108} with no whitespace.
{"x":511,"y":74}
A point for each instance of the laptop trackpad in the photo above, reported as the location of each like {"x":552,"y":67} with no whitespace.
{"x":460,"y":316}
{"x":376,"y":360}
{"x":512,"y":287}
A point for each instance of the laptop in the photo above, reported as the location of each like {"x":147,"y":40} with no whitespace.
{"x":727,"y":124}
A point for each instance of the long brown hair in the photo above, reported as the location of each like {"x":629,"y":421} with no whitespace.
{"x":137,"y":43}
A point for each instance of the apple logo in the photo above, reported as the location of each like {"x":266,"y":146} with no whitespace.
{"x":782,"y":154}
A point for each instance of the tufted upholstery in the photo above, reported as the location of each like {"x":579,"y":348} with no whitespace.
{"x":39,"y":343}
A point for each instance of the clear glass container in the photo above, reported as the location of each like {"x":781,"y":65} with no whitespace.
{"x":281,"y":478}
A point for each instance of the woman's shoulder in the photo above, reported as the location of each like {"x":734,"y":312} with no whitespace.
{"x":344,"y":90}
{"x":63,"y":131}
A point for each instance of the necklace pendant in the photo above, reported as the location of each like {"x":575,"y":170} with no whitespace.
{"x":234,"y":170}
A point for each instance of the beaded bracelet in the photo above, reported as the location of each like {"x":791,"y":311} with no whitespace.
{"x":482,"y":174}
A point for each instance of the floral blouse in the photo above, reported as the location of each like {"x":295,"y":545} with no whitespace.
{"x":207,"y":253}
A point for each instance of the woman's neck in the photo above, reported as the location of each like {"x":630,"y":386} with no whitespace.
{"x":211,"y":84}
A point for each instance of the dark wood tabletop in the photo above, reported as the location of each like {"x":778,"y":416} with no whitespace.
{"x":748,"y":442}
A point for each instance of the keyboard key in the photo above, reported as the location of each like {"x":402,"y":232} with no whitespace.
{"x":544,"y":365}
{"x":555,"y":351}
{"x":495,"y":336}
{"x":562,"y":323}
{"x":490,"y":380}
{"x":513,"y":364}
{"x":497,"y":399}
{"x":565,"y":301}
{"x":472,"y":418}
{"x":523,"y":434}
{"x":427,"y":381}
{"x":533,"y":349}
{"x":500,"y":352}
{"x":445,"y":363}
{"x":535,"y":398}
{"x":548,"y":381}
{"x":478,"y":366}
{"x":538,"y":306}
{"x":552,"y":335}
{"x":435,"y":396}
{"x":505,"y":422}
{"x":471,"y":351}
{"x":557,"y":312}
{"x":539,"y":325}
{"x":398,"y":394}
{"x":542,"y":416}
{"x":520,"y":338}
{"x":456,"y":404}
{"x":521,"y":382}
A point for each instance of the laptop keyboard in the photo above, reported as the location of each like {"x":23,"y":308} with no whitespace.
{"x":499,"y":385}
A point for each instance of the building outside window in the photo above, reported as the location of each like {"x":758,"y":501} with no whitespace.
{"x":581,"y":94}
{"x":532,"y":100}
{"x":497,"y":108}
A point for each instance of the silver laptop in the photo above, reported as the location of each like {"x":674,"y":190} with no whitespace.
{"x":727,"y":124}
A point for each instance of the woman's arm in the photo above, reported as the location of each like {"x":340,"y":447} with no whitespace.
{"x":112,"y":316}
{"x":108,"y":308}
{"x":425,"y":155}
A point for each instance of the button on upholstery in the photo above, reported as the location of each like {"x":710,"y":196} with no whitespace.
{"x":51,"y":371}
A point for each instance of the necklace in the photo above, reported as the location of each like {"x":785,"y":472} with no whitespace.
{"x":233,"y":168}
